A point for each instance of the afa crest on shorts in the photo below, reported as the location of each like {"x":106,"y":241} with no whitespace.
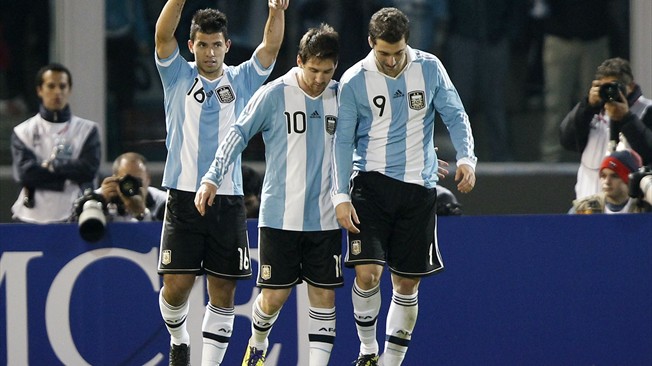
{"x":356,"y":247}
{"x":225,"y":94}
{"x":266,"y":272}
{"x":331,"y":124}
{"x":166,"y":257}
{"x":417,"y":100}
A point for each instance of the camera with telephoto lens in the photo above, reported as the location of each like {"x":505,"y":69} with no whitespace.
{"x":640,"y":184}
{"x":610,"y":92}
{"x":90,"y":210}
{"x":130,"y":185}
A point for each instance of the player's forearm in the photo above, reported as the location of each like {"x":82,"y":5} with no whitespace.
{"x":272,"y":37}
{"x":166,"y":25}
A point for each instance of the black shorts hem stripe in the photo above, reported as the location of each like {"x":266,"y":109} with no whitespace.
{"x":228,"y":276}
{"x":278,"y":286}
{"x":196,"y":272}
{"x":421,"y":274}
{"x":353,"y":263}
{"x":324,"y":285}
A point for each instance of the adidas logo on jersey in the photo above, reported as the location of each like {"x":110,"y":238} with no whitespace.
{"x":399,"y":94}
{"x":315,"y":114}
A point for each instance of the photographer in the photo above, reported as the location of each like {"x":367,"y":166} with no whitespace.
{"x":615,"y":196}
{"x":127,"y":193}
{"x":615,"y":115}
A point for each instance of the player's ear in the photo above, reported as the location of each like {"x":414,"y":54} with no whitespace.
{"x":299,"y":62}
{"x":228,"y":45}
{"x":190,"y":44}
{"x":371,"y":43}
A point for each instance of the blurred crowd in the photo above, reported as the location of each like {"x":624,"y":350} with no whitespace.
{"x":519,"y":65}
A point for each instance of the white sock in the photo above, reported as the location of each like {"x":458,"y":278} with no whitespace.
{"x":216,"y":330}
{"x":401,"y":318}
{"x":321,"y":335}
{"x":175,"y":320}
{"x":261,"y":325}
{"x":366,"y":306}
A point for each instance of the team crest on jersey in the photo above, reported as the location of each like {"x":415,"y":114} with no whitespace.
{"x":166,"y":257}
{"x":225,"y":94}
{"x":331,"y":124}
{"x":417,"y":100}
{"x":356,"y":247}
{"x":266,"y":272}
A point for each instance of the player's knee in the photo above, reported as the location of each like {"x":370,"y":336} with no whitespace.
{"x":367,"y":280}
{"x":405,"y":285}
{"x":273,"y":300}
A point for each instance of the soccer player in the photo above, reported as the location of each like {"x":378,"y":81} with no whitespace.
{"x":299,"y":237}
{"x":388,"y":102}
{"x":202,"y":100}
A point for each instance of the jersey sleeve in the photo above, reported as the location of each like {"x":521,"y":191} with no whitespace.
{"x":251,"y":74}
{"x":343,"y":143}
{"x":255,"y":118}
{"x":172,"y":68}
{"x":449,"y":105}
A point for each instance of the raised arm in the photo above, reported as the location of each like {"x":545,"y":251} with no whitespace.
{"x":166,"y":25}
{"x":274,"y":31}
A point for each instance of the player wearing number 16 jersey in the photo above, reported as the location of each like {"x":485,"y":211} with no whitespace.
{"x":388,"y":102}
{"x":202,"y":100}
{"x":299,"y":237}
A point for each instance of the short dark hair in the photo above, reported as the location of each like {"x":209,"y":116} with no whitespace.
{"x":615,"y":67}
{"x":321,"y":42}
{"x":54,"y":67}
{"x":209,"y":21}
{"x":389,"y":24}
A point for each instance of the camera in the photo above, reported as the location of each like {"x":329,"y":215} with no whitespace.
{"x":130,"y":185}
{"x":640,"y":184}
{"x":610,"y":92}
{"x":90,"y":210}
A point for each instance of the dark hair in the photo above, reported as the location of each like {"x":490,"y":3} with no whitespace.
{"x":615,"y":67}
{"x":390,"y":25}
{"x":209,"y":21}
{"x":54,"y":67}
{"x":322,"y":42}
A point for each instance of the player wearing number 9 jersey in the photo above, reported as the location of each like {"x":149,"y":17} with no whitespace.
{"x":299,"y":237}
{"x":384,"y":145}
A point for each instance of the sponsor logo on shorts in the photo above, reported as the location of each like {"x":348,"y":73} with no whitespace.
{"x":266,"y":272}
{"x":417,"y":100}
{"x":356,"y":247}
{"x":166,"y":258}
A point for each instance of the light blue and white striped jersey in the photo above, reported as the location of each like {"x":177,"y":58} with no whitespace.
{"x":198,"y":114}
{"x":386,"y":124}
{"x":298,"y":133}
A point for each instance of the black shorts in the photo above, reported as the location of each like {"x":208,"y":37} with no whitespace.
{"x":287,"y":258}
{"x":398,"y":225}
{"x":216,"y":243}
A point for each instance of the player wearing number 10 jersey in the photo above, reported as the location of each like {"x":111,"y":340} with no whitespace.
{"x":299,"y":237}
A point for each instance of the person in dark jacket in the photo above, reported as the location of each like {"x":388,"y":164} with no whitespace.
{"x":599,"y":124}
